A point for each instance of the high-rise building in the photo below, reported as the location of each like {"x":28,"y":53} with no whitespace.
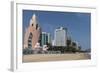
{"x":69,"y":41}
{"x":60,"y":37}
{"x":45,"y":38}
{"x":49,"y":38}
{"x":32,"y":33}
{"x":75,"y":44}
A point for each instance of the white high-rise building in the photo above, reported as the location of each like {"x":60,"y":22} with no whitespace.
{"x":60,"y":37}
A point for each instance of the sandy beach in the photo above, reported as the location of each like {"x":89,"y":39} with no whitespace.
{"x":55,"y":57}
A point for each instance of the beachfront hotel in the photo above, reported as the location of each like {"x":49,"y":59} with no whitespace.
{"x":32,"y":33}
{"x":45,"y":38}
{"x":60,"y":37}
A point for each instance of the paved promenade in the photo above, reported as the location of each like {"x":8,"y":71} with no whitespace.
{"x":55,"y":57}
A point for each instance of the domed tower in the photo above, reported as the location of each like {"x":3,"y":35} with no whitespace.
{"x":32,"y":34}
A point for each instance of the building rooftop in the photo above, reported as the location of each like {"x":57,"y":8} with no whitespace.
{"x":61,"y":28}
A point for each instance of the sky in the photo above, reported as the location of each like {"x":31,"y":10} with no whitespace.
{"x":78,"y":24}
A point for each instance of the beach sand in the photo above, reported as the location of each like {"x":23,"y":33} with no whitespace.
{"x":55,"y":57}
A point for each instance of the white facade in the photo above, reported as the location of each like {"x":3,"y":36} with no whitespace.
{"x":60,"y":37}
{"x":45,"y":38}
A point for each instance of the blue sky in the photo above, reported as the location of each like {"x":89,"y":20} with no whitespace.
{"x":78,"y":24}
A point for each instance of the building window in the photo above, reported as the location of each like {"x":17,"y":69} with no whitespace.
{"x":32,"y":24}
{"x":29,"y":45}
{"x":30,"y":40}
{"x":36,"y":26}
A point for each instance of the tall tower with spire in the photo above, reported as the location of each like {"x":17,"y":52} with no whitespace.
{"x":32,"y":34}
